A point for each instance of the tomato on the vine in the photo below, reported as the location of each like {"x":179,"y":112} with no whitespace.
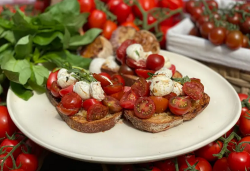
{"x":201,"y":20}
{"x":122,"y":12}
{"x":8,"y":163}
{"x":206,"y":28}
{"x":112,"y":4}
{"x":239,"y":161}
{"x":231,"y":145}
{"x":196,"y":13}
{"x":203,"y":164}
{"x":146,"y":5}
{"x":190,"y":158}
{"x":184,"y":167}
{"x":221,"y":165}
{"x":86,"y":5}
{"x":172,"y":4}
{"x":245,"y":123}
{"x":11,"y":144}
{"x":212,"y":4}
{"x":97,"y":18}
{"x":28,"y":162}
{"x":108,"y":28}
{"x":217,"y":36}
{"x":130,"y":24}
{"x":165,"y":165}
{"x":234,"y":39}
{"x":245,"y":26}
{"x":245,"y":41}
{"x":234,"y":19}
{"x":164,"y":30}
{"x":189,"y":5}
{"x":246,"y":146}
{"x":6,"y":124}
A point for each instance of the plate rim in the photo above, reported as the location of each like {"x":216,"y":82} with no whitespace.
{"x":125,"y":160}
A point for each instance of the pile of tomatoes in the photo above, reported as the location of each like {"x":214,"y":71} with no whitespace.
{"x":126,"y":15}
{"x":221,"y":26}
{"x":17,"y":152}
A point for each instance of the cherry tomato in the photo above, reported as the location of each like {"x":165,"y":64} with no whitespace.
{"x":234,"y":39}
{"x":124,"y":69}
{"x":203,"y":164}
{"x":190,"y":158}
{"x":245,"y":123}
{"x":201,"y":20}
{"x":217,"y":36}
{"x":140,"y":87}
{"x":112,"y":103}
{"x":126,"y":89}
{"x":118,"y":78}
{"x":239,"y":161}
{"x":196,"y":13}
{"x":185,"y":166}
{"x":161,"y":103}
{"x":121,"y":51}
{"x":245,"y":145}
{"x":11,"y":144}
{"x":151,"y":19}
{"x":234,"y":19}
{"x":164,"y":30}
{"x":206,"y":28}
{"x":128,"y":100}
{"x":172,"y":4}
{"x":169,"y":96}
{"x":130,"y":24}
{"x":66,"y":90}
{"x":97,"y":19}
{"x":245,"y":26}
{"x":144,"y":107}
{"x":118,"y":95}
{"x":6,"y":124}
{"x":146,"y":5}
{"x":51,"y":79}
{"x":194,"y":32}
{"x":127,"y":167}
{"x":34,"y":148}
{"x":122,"y":12}
{"x":245,"y":41}
{"x":179,"y":105}
{"x":54,"y":89}
{"x":141,"y":64}
{"x":165,"y":165}
{"x":86,"y":5}
{"x":243,"y":97}
{"x":155,"y":62}
{"x":245,"y":6}
{"x":172,"y":68}
{"x":221,"y":165}
{"x":130,"y":18}
{"x":28,"y":162}
{"x":144,"y":73}
{"x":111,"y":89}
{"x":112,"y":4}
{"x":96,"y":112}
{"x":231,"y":145}
{"x":207,"y":151}
{"x":189,"y":5}
{"x":71,"y":100}
{"x":212,"y":5}
{"x":7,"y":163}
{"x":89,"y":102}
{"x":108,"y":28}
{"x":227,"y":134}
{"x":103,"y":79}
{"x":65,"y":111}
{"x":193,"y":90}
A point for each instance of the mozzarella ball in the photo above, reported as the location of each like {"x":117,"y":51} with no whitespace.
{"x":64,"y":79}
{"x":135,"y":52}
{"x":96,"y":91}
{"x":161,"y":85}
{"x":82,"y":88}
{"x":177,"y":89}
{"x":167,"y":72}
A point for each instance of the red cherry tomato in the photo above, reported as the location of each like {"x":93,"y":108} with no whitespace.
{"x":130,"y":24}
{"x":34,"y":148}
{"x":86,"y":104}
{"x":6,"y":124}
{"x":207,"y":151}
{"x":122,"y":12}
{"x":118,"y":78}
{"x":112,"y":4}
{"x":7,"y":163}
{"x":193,"y":90}
{"x":66,"y":90}
{"x":144,"y":73}
{"x":201,"y":20}
{"x":234,"y":19}
{"x":234,"y":39}
{"x":245,"y":124}
{"x":239,"y":161}
{"x":130,"y":18}
{"x":155,"y":62}
{"x":28,"y":162}
{"x":221,"y":165}
{"x":164,"y":30}
{"x":179,"y":105}
{"x":161,"y":104}
{"x":245,"y":26}
{"x":203,"y":164}
{"x":231,"y":145}
{"x":165,"y":165}
{"x":206,"y":28}
{"x":217,"y":36}
{"x":51,"y":79}
{"x":118,"y":95}
{"x":146,"y":5}
{"x":227,"y":134}
{"x":111,"y":89}
{"x":71,"y":100}
{"x":141,"y":64}
{"x":190,"y":158}
{"x":185,"y":166}
{"x":121,"y":51}
{"x":189,"y":5}
{"x":212,"y":5}
{"x":128,"y":100}
{"x":144,"y":107}
{"x":105,"y":75}
{"x":246,"y":146}
{"x":103,"y":79}
{"x":96,"y":112}
{"x":172,"y":68}
{"x":169,"y":96}
{"x":97,"y":19}
{"x":54,"y":89}
{"x":108,"y":28}
{"x":172,"y":4}
{"x":65,"y":111}
{"x":140,"y":87}
{"x":196,"y":12}
{"x":113,"y":104}
{"x":11,"y":144}
{"x":86,"y":5}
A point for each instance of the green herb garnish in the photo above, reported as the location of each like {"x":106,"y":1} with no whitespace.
{"x":137,"y":53}
{"x":82,"y":74}
{"x":182,"y":80}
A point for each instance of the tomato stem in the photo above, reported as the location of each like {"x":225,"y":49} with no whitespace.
{"x":176,"y":164}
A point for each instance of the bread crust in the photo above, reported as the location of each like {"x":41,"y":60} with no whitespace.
{"x":163,"y":121}
{"x":79,"y":123}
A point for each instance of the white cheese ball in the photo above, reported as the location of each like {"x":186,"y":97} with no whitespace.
{"x":161,"y":85}
{"x":82,"y":88}
{"x":177,"y":89}
{"x":96,"y":91}
{"x":64,"y":79}
{"x":96,"y":65}
{"x":135,"y":52}
{"x":167,"y":72}
{"x":111,"y":63}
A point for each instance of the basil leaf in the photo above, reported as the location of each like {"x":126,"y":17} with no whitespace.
{"x":6,"y":23}
{"x":75,"y":23}
{"x":182,"y":80}
{"x":87,"y":38}
{"x":44,"y":39}
{"x":23,"y":47}
{"x":21,"y":91}
{"x":66,"y":39}
{"x":41,"y":74}
{"x":79,"y":61}
{"x":9,"y":36}
{"x":4,"y":47}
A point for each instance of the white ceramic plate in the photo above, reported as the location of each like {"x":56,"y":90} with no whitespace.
{"x":38,"y":119}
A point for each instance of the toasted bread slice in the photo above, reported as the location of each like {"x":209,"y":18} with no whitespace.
{"x":163,"y":121}
{"x":79,"y":123}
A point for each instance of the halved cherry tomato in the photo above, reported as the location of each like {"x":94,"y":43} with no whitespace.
{"x":66,"y":90}
{"x":121,"y":51}
{"x":193,"y":90}
{"x":130,"y":24}
{"x":96,"y":112}
{"x":89,"y":102}
{"x":128,"y":100}
{"x":169,"y":96}
{"x":144,"y":72}
{"x":65,"y":111}
{"x":179,"y":105}
{"x":111,"y":89}
{"x":126,"y":89}
{"x":54,"y":89}
{"x":124,"y":69}
{"x":155,"y":62}
{"x":118,"y":78}
{"x":51,"y":79}
{"x":197,"y":80}
{"x":140,"y":87}
{"x":161,"y":104}
{"x":118,"y":95}
{"x":112,"y":103}
{"x":144,"y":107}
{"x":105,"y":75}
{"x":136,"y":64}
{"x":71,"y":100}
{"x":104,"y":80}
{"x":172,"y":68}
